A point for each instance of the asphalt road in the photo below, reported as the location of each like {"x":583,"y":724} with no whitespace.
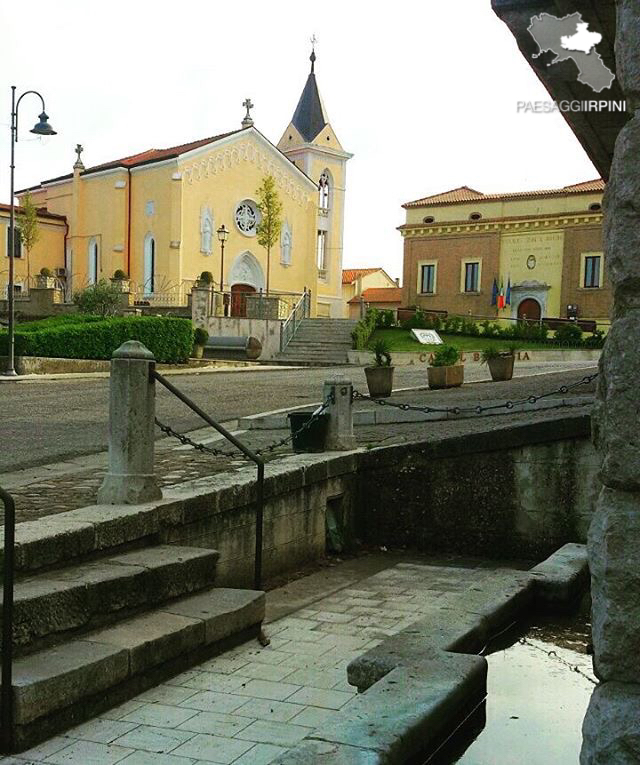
{"x":50,"y":421}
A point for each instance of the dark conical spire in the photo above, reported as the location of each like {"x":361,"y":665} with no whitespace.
{"x":310,"y":117}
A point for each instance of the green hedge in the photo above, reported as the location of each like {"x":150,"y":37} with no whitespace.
{"x":169,"y":339}
{"x":569,"y":335}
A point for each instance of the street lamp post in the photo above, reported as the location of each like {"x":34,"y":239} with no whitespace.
{"x":42,"y":127}
{"x":222,"y":238}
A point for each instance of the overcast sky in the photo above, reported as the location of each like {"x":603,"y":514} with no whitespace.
{"x":424,"y":94}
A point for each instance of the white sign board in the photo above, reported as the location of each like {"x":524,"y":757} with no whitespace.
{"x":427,"y":336}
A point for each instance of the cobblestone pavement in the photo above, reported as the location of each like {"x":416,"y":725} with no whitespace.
{"x":45,"y":491}
{"x":50,"y":421}
{"x":251,"y":704}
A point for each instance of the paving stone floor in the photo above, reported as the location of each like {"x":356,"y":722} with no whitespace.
{"x":65,"y":486}
{"x":252,"y":703}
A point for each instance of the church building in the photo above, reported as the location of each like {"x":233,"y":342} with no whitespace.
{"x":155,"y":214}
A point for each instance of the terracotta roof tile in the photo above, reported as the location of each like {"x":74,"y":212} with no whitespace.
{"x":380,"y":295}
{"x":466,"y":194}
{"x":349,"y":275}
{"x":142,"y":158}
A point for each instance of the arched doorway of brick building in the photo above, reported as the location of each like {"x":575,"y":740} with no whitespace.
{"x":529,"y":309}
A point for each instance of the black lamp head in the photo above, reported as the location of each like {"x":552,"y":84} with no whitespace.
{"x":43,"y":127}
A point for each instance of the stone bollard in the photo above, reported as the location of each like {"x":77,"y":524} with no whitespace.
{"x":130,"y":479}
{"x":340,"y":431}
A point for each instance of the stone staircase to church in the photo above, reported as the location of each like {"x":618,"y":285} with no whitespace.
{"x":105,"y":610}
{"x":319,"y":343}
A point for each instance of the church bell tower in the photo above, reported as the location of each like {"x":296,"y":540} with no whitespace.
{"x":311,"y":143}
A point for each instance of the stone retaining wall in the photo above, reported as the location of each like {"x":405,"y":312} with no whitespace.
{"x":423,"y":358}
{"x":520,"y":491}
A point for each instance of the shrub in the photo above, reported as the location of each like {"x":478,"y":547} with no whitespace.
{"x":363,"y":329}
{"x":445,"y":356}
{"x":206,"y":277}
{"x":595,"y":340}
{"x":385,"y":319}
{"x":200,"y":336}
{"x":101,"y":298}
{"x":169,"y":339}
{"x":45,"y":272}
{"x":568,"y":334}
{"x":382,"y":351}
{"x":119,"y":274}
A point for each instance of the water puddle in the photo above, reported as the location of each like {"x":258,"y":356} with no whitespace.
{"x":539,"y":684}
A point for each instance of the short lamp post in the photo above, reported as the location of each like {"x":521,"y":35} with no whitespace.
{"x":42,"y":127}
{"x":223,"y":235}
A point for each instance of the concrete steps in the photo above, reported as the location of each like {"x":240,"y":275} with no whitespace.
{"x":65,"y":685}
{"x":319,"y":342}
{"x":52,"y":604}
{"x":106,"y":607}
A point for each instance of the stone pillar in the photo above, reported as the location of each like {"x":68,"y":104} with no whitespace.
{"x":200,"y":306}
{"x":131,"y":479}
{"x":611,"y":729}
{"x":340,"y":432}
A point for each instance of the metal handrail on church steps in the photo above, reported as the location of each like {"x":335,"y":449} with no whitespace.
{"x":300,"y":311}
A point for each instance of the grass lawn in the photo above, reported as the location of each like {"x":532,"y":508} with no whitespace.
{"x":402,"y":340}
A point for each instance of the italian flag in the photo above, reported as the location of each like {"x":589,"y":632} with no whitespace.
{"x":501,"y":296}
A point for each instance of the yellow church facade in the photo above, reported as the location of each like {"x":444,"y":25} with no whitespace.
{"x":155,"y":214}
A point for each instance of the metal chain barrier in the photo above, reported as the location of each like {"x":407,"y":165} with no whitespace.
{"x":186,"y":441}
{"x":478,"y":408}
{"x":553,"y":655}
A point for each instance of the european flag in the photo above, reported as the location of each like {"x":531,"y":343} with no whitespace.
{"x":508,"y":297}
{"x":494,"y":293}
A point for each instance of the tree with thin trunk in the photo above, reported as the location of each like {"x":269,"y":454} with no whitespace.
{"x":28,"y":228}
{"x":270,"y":206}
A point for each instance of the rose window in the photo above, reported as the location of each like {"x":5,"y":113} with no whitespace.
{"x":246,"y":217}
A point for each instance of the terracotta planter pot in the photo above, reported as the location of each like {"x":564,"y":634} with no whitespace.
{"x":379,"y":381}
{"x":446,"y":377}
{"x":501,"y":367}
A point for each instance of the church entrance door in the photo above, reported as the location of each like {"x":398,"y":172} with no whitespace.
{"x":239,"y":294}
{"x":529,"y":309}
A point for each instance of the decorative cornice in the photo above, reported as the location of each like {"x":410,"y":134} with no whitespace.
{"x":512,"y":225}
{"x":247,"y":151}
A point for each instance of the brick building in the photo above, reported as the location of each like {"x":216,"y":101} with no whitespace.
{"x":543,"y":248}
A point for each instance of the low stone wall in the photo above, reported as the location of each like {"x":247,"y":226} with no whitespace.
{"x":220,"y":513}
{"x":409,"y":359}
{"x":43,"y":365}
{"x":515,"y":491}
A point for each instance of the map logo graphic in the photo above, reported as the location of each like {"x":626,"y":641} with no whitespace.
{"x":570,"y":38}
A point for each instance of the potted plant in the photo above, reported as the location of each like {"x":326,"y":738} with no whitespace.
{"x":121,"y":280}
{"x":200,"y":337}
{"x":380,"y":376}
{"x":205,"y":279}
{"x":45,"y":279}
{"x":444,"y":370}
{"x":500,"y":362}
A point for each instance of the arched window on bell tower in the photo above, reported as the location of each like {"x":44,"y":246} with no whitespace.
{"x":324,"y":191}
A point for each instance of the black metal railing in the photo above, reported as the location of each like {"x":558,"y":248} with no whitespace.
{"x":6,"y":690}
{"x":251,"y":455}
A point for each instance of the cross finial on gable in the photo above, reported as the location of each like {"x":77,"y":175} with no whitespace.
{"x":78,"y":163}
{"x":247,"y":120}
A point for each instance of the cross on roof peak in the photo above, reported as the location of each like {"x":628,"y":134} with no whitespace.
{"x":248,"y":119}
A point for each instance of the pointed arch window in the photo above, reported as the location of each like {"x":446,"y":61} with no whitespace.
{"x":93,"y":271}
{"x":324,"y":191}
